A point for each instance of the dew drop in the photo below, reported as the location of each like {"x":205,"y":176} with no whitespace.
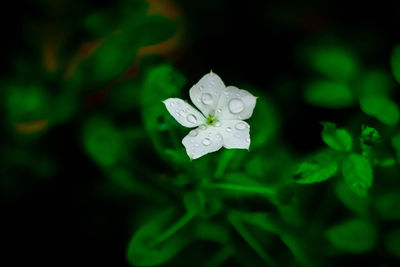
{"x":218,"y":124}
{"x":219,"y":110}
{"x":241,"y":126}
{"x":193,"y":133}
{"x":202,"y":127}
{"x":201,"y":87}
{"x":172,"y":104}
{"x":228,"y":129}
{"x":236,"y":106}
{"x":191,"y":118}
{"x":206,"y":142}
{"x":206,"y":98}
{"x":196,"y":145}
{"x":248,"y":140}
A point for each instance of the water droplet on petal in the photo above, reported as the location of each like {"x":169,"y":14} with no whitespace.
{"x":248,"y":140}
{"x":206,"y":142}
{"x":191,"y":118}
{"x":241,"y":126}
{"x":193,"y":133}
{"x":181,"y":113}
{"x":172,"y":104}
{"x":228,"y":129}
{"x":201,"y":87}
{"x":202,"y":127}
{"x":236,"y":106}
{"x":219,"y":110}
{"x":206,"y":99}
{"x":218,"y":124}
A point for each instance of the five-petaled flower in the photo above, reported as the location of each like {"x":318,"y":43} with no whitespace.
{"x":224,"y":108}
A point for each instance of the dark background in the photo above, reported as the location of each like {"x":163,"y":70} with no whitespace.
{"x":68,"y":218}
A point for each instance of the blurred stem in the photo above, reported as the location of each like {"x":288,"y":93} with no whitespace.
{"x":174,"y":228}
{"x":242,"y":188}
{"x":241,"y":229}
{"x":223,"y":163}
{"x":218,"y":258}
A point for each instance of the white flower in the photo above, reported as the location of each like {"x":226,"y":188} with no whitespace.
{"x":221,"y":124}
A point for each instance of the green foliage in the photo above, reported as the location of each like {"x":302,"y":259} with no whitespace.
{"x":102,"y":142}
{"x":396,"y":145}
{"x":376,"y":83}
{"x":357,"y":173}
{"x":392,"y":242}
{"x":395,"y":61}
{"x":328,"y":94}
{"x":337,"y":139}
{"x":158,"y":240}
{"x":334,"y":62}
{"x":26,"y":103}
{"x":317,"y":169}
{"x":370,"y":136}
{"x":353,"y":236}
{"x":352,"y":201}
{"x":382,"y":108}
{"x":388,"y":204}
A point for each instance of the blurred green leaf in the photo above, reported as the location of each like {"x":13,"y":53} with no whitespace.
{"x":353,"y":236}
{"x":396,"y":145}
{"x":102,"y":141}
{"x":357,"y":173}
{"x":158,"y":240}
{"x":352,"y":201}
{"x":161,"y":82}
{"x":328,"y":94}
{"x":395,"y":61}
{"x":317,"y":169}
{"x":392,"y":242}
{"x":26,"y":103}
{"x":337,"y":139}
{"x":388,"y":205}
{"x":382,"y":108}
{"x":376,"y":83}
{"x":335,"y":62}
{"x":370,"y":136}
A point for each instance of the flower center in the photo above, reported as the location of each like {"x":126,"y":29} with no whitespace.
{"x":211,"y":120}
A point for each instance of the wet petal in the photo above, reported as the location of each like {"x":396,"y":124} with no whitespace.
{"x":206,"y":93}
{"x":235,"y":104}
{"x":184,"y":113}
{"x":235,"y":134}
{"x":201,"y":141}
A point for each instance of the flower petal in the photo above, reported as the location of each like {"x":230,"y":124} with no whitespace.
{"x":206,"y":93}
{"x":201,"y":141}
{"x":235,"y":104}
{"x":235,"y":134}
{"x":184,"y":113}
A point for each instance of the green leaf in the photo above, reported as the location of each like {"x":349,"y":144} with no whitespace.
{"x":396,"y":145}
{"x":376,"y":83}
{"x":337,"y":139}
{"x":357,"y":173}
{"x":158,"y":240}
{"x":382,"y":108}
{"x":388,"y":206}
{"x":328,"y":94}
{"x":102,"y":141}
{"x":317,"y":169}
{"x":395,"y":62}
{"x":392,"y":242}
{"x":335,"y":62}
{"x":353,"y":236}
{"x":370,"y":136}
{"x":352,"y":201}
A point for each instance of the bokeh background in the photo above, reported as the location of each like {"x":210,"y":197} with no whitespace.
{"x":92,"y":169}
